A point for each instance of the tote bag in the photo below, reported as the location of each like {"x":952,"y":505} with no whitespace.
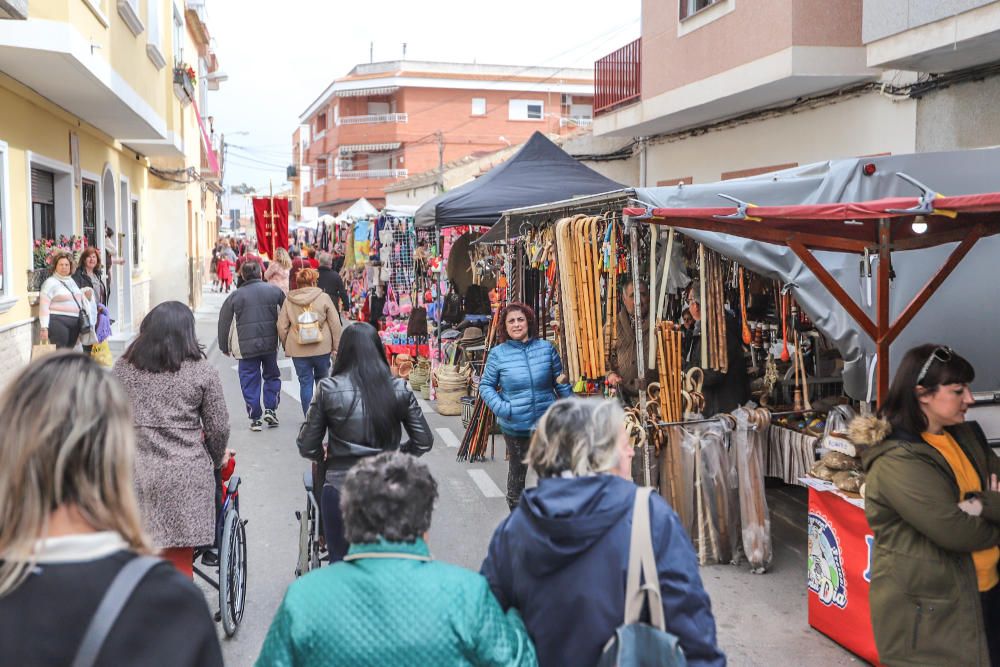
{"x":638,"y":644}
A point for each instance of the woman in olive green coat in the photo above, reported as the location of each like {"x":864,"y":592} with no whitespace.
{"x":388,"y":602}
{"x":932,"y":503}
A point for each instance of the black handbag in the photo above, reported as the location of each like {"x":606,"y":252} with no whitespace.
{"x":83,"y":318}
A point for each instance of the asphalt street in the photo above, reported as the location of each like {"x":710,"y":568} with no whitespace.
{"x":761,"y":619}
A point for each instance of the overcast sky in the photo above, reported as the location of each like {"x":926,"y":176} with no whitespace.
{"x":281,"y":55}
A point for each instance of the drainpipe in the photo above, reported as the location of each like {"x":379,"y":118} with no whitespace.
{"x":642,"y":162}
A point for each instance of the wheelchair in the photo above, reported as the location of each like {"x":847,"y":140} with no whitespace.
{"x":228,"y":556}
{"x":312,"y":549}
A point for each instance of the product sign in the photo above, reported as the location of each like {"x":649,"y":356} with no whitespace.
{"x":826,"y":566}
{"x":839,"y":565}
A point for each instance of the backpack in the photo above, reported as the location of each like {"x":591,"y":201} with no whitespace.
{"x":477,"y":300}
{"x":452,"y":311}
{"x":308,"y":330}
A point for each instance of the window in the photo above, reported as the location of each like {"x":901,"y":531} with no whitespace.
{"x":43,"y":203}
{"x":378,"y":161}
{"x":135,"y":233}
{"x":88,"y":195}
{"x":129,"y":11}
{"x":178,"y":42}
{"x":526,"y":110}
{"x":692,"y":7}
{"x":4,"y":227}
{"x":377,"y":108}
{"x":478,"y":106}
{"x":320,"y":123}
{"x":321,"y":169}
{"x":154,"y":38}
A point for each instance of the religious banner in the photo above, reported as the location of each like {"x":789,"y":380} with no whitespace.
{"x":271,"y":218}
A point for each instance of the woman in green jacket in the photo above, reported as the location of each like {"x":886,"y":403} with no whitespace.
{"x":932,"y":501}
{"x":388,"y":602}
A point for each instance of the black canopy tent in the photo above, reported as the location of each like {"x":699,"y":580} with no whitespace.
{"x":540,"y":172}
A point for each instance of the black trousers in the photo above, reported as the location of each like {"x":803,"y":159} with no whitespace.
{"x":64,"y":330}
{"x":333,"y":524}
{"x":991,"y":622}
{"x":517,"y":449}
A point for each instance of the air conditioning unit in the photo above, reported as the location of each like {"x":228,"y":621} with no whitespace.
{"x":292,"y":171}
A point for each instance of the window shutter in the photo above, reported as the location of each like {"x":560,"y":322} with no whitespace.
{"x":43,"y":190}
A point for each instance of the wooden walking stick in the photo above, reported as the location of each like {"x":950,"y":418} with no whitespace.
{"x":653,"y":237}
{"x":705,"y":340}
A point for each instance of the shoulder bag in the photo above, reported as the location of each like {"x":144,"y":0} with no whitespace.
{"x":121,"y":589}
{"x":87,"y":335}
{"x":638,"y":644}
{"x":309,"y":328}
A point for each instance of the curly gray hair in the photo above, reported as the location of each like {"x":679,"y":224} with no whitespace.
{"x":389,"y":496}
{"x":578,"y":436}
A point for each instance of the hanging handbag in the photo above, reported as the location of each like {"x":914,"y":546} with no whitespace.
{"x":309,"y":329}
{"x":638,"y":644}
{"x":87,"y":335}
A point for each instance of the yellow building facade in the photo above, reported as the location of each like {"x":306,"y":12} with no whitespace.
{"x":99,"y":130}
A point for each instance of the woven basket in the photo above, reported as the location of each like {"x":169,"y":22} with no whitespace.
{"x":452,"y":384}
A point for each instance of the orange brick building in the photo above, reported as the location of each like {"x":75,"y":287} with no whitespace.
{"x":386,"y":121}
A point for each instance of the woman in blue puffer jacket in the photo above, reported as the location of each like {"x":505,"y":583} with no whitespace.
{"x":523,"y":377}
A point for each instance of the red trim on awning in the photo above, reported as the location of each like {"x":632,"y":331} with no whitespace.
{"x":213,"y":160}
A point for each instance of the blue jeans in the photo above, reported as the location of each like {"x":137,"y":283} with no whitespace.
{"x":254,"y":369}
{"x":310,"y":370}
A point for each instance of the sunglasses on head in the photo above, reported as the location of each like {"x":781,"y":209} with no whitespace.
{"x":942,"y":354}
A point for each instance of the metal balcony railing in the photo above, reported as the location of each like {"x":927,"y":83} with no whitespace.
{"x":576,"y":121}
{"x":373,"y":118}
{"x":372,"y":173}
{"x":618,"y":77}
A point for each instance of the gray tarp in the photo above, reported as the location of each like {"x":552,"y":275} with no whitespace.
{"x":962,"y":313}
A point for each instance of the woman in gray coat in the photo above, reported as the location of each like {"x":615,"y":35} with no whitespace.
{"x":182,"y":428}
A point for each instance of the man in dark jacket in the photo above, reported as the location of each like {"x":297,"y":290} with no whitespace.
{"x":331,"y":283}
{"x":724,"y":392}
{"x":248,"y":331}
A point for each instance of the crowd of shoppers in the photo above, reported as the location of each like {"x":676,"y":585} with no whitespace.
{"x":118,"y":467}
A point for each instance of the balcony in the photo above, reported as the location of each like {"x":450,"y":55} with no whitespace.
{"x":618,"y":78}
{"x":941,"y":36}
{"x":576,"y":121}
{"x":372,"y":119}
{"x":372,"y":174}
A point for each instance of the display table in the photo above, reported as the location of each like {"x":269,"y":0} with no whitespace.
{"x":412,"y":350}
{"x":839,"y":569}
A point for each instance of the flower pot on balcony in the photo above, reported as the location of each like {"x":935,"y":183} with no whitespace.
{"x":183,"y":86}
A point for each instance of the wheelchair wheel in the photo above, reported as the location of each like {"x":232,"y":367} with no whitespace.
{"x":305,"y":540}
{"x":232,"y":572}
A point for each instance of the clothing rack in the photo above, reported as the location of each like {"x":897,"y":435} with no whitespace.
{"x":709,"y":420}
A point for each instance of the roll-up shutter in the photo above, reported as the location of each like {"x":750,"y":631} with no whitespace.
{"x":43,"y":189}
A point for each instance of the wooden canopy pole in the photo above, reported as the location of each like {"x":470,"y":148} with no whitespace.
{"x":882,"y":306}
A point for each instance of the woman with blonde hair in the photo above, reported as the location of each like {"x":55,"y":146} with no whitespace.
{"x":63,"y":306}
{"x":277,"y":270}
{"x":70,"y":529}
{"x":309,"y":328}
{"x":561,"y":558}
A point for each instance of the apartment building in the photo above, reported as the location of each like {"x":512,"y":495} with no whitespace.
{"x":720,"y":89}
{"x":99,"y":131}
{"x":385,"y":121}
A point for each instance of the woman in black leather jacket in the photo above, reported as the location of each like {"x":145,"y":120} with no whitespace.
{"x":363,"y":409}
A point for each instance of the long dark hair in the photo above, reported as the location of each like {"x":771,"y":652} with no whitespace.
{"x":166,"y":339}
{"x":361,"y":357}
{"x":901,"y":407}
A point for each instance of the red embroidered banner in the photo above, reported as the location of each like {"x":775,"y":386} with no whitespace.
{"x":271,"y":218}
